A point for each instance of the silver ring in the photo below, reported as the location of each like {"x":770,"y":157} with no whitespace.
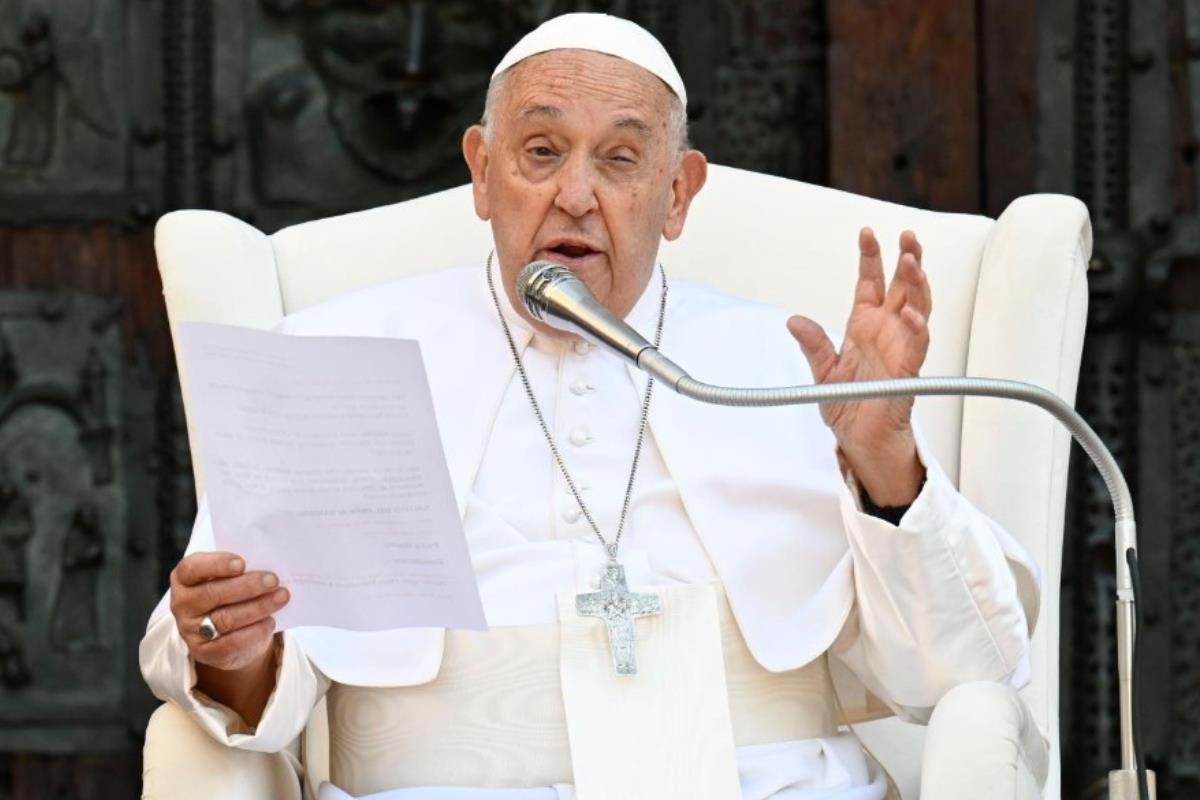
{"x":208,"y":631}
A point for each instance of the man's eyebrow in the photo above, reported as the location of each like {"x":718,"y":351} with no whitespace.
{"x":541,"y":110}
{"x":636,"y":124}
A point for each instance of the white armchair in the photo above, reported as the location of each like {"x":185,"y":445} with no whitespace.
{"x":1010,"y":302}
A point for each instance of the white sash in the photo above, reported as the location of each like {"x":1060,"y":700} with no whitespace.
{"x":541,"y":705}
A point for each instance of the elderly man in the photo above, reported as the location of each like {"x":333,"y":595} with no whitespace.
{"x":770,"y":542}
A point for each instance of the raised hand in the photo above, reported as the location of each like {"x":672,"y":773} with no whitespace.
{"x":887,"y":336}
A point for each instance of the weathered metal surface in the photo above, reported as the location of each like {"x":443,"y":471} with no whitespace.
{"x":328,"y":107}
{"x":760,"y":103}
{"x":188,"y":103}
{"x":62,"y":523}
{"x":89,"y":480}
{"x":1183,"y":748}
{"x":1134,"y":68}
{"x":67,"y":112}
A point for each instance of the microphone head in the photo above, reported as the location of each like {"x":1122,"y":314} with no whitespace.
{"x":533,"y":282}
{"x":556,"y":296}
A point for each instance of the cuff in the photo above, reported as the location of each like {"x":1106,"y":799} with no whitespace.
{"x":936,"y":598}
{"x":925,"y":509}
{"x":171,"y":675}
{"x":889,"y":514}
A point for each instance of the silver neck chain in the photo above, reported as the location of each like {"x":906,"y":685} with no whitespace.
{"x":609,"y":547}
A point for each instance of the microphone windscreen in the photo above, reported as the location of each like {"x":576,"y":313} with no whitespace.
{"x":534,"y":279}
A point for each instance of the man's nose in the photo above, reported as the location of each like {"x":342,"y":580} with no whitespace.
{"x":577,"y":187}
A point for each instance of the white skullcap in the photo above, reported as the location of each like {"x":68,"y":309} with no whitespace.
{"x":602,"y":33}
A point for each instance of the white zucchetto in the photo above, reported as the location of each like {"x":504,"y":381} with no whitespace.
{"x":602,"y":33}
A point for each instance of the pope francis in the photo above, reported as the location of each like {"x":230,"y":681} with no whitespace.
{"x":748,"y":557}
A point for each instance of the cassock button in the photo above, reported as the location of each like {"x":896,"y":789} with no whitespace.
{"x":572,"y":515}
{"x":579,"y":437}
{"x":582,"y":347}
{"x":581,"y":387}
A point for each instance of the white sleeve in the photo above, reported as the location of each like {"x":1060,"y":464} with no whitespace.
{"x":171,"y":675}
{"x":937,"y":602}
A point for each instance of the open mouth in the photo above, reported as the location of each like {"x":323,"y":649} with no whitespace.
{"x":572,"y":250}
{"x":569,"y":251}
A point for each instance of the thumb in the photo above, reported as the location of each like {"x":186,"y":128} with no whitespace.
{"x":815,"y":345}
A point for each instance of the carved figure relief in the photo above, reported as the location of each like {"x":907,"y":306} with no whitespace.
{"x":50,"y":64}
{"x":76,"y":622}
{"x":381,"y":93}
{"x":96,"y":431}
{"x":61,"y":504}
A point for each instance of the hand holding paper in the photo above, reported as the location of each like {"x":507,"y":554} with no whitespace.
{"x":325,"y":467}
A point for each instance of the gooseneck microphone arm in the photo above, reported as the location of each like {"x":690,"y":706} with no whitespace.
{"x":556,"y":296}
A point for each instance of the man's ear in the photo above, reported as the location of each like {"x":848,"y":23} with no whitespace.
{"x":475,"y":153}
{"x":689,"y":179}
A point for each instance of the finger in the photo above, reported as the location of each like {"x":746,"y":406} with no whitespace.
{"x":200,"y":567}
{"x":238,"y":648}
{"x":922,"y":294}
{"x":918,"y":326}
{"x":230,"y":618}
{"x":910,"y":244}
{"x":917,"y":292}
{"x":196,"y":601}
{"x":815,"y":344}
{"x":870,"y":286}
{"x":906,"y":283}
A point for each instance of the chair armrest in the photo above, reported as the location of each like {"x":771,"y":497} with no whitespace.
{"x":1028,"y":324}
{"x":182,"y":762}
{"x":982,"y":743}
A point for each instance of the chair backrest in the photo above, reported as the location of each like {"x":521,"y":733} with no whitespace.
{"x":1009,"y":296}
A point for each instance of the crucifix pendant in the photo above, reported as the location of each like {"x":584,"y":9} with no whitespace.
{"x":618,"y":607}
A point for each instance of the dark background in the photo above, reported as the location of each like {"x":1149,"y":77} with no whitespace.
{"x":113,"y":112}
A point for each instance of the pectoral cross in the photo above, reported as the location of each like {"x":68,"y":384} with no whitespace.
{"x":618,"y":607}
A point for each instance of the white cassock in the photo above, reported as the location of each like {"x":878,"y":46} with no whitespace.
{"x":751,"y":500}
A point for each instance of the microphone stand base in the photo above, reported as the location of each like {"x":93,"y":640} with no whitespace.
{"x":1123,"y":784}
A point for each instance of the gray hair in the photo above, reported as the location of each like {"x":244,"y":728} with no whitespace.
{"x":677,"y":114}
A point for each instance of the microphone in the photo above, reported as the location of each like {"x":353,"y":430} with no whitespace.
{"x":556,"y":296}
